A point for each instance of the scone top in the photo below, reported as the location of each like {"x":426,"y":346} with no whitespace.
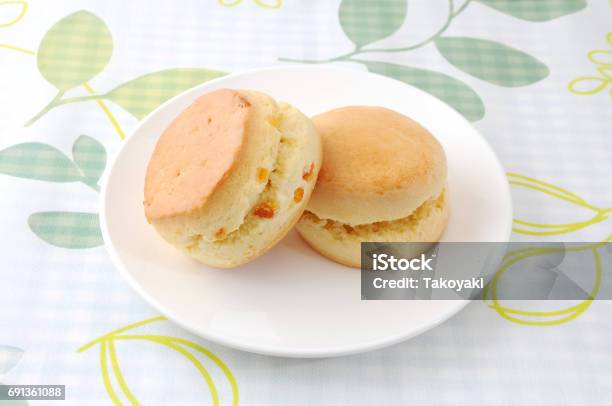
{"x":378,"y":165}
{"x":195,"y":153}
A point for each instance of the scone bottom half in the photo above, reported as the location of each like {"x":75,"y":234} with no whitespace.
{"x":383,"y":179}
{"x":341,"y":242}
{"x":245,"y":182}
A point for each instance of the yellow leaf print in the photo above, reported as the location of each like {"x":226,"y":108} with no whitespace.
{"x":185,"y":348}
{"x":539,"y":229}
{"x":269,"y":4}
{"x":549,"y":317}
{"x":588,"y":85}
{"x":21,"y":5}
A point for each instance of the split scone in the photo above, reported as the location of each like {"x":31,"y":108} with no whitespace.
{"x":231,"y":175}
{"x":383,"y":180}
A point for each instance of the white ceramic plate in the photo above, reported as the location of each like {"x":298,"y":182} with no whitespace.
{"x":291,"y":301}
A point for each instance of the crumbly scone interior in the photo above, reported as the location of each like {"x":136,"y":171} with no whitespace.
{"x":287,"y":185}
{"x":381,"y":229}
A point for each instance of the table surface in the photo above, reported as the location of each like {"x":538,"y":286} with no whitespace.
{"x":534,"y":77}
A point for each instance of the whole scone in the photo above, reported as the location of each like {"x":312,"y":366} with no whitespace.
{"x":231,"y":175}
{"x":383,"y":179}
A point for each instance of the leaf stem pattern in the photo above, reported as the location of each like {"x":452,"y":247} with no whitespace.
{"x":16,"y":48}
{"x":58,"y":98}
{"x":129,"y":96}
{"x":107,"y":112}
{"x":452,"y":13}
{"x":179,"y":345}
{"x":59,"y":101}
{"x":56,"y":102}
{"x":53,"y":103}
{"x":484,"y":59}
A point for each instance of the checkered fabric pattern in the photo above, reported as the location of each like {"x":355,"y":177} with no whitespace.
{"x":75,"y":50}
{"x":443,"y":86}
{"x":491,"y":61}
{"x":358,"y":24}
{"x":141,"y":95}
{"x":90,"y":157}
{"x":38,"y":161}
{"x":536,"y":10}
{"x":59,"y":290}
{"x":70,"y":230}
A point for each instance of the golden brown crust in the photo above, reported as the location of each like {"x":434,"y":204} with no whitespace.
{"x":378,"y":165}
{"x":195,"y":153}
{"x":253,"y":205}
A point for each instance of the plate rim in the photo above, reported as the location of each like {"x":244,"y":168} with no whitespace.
{"x":293,"y":352}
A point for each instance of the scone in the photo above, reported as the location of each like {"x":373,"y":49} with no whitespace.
{"x":383,"y":180}
{"x":231,"y":175}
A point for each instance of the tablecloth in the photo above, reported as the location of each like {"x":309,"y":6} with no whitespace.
{"x":534,"y":77}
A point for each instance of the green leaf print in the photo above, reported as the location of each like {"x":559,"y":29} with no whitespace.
{"x":74,"y":50}
{"x":491,"y":61}
{"x":143,"y":94}
{"x":90,"y":156}
{"x":454,"y":92}
{"x":366,"y":21}
{"x":67,"y":229}
{"x":536,"y":10}
{"x":34,"y":160}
